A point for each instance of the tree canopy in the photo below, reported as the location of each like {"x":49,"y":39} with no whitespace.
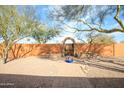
{"x":122,"y":41}
{"x":93,"y":18}
{"x":18,"y":22}
{"x":100,"y":39}
{"x":43,"y":34}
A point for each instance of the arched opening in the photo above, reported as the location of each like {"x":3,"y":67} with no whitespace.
{"x":68,"y":48}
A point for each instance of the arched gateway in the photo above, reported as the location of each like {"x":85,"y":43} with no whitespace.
{"x":68,"y":49}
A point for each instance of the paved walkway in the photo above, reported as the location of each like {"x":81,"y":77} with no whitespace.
{"x":39,"y":72}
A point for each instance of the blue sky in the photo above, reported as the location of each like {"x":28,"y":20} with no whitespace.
{"x":42,"y":12}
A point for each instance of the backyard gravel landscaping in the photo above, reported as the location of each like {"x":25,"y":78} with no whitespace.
{"x":40,"y":72}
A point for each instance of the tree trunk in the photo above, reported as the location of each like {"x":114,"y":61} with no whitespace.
{"x":5,"y":56}
{"x":5,"y":60}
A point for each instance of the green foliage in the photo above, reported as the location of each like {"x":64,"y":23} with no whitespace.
{"x":122,"y":41}
{"x":14,"y":26}
{"x":43,"y":34}
{"x":91,"y":17}
{"x":96,"y":13}
{"x":18,"y":22}
{"x":100,"y":39}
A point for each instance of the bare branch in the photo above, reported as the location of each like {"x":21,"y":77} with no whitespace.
{"x":117,"y":18}
{"x":94,"y":28}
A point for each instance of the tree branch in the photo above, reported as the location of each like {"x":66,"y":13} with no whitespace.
{"x":95,"y":29}
{"x":99,"y":29}
{"x":117,"y":18}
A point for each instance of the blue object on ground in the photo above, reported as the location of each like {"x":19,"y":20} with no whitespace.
{"x":69,"y":61}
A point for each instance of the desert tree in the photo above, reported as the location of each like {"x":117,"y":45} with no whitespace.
{"x":100,"y":38}
{"x":18,"y":22}
{"x":91,"y":18}
{"x":122,"y":41}
{"x":15,"y":25}
{"x":95,"y":41}
{"x":45,"y":33}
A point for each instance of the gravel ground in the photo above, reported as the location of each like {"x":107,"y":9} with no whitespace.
{"x":39,"y":72}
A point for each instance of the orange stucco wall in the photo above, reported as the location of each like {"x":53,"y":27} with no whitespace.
{"x":24,"y":50}
{"x":119,"y":50}
{"x":104,"y":50}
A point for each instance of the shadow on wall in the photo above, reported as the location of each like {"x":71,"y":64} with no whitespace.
{"x":49,"y":49}
{"x":25,"y":50}
{"x":29,"y":81}
{"x":94,"y":49}
{"x":20,"y":50}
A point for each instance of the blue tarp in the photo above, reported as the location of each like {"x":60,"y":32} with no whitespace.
{"x":69,"y":61}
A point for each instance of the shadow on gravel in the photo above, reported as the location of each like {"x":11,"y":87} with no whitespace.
{"x":113,"y":61}
{"x":106,"y":67}
{"x":29,"y":81}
